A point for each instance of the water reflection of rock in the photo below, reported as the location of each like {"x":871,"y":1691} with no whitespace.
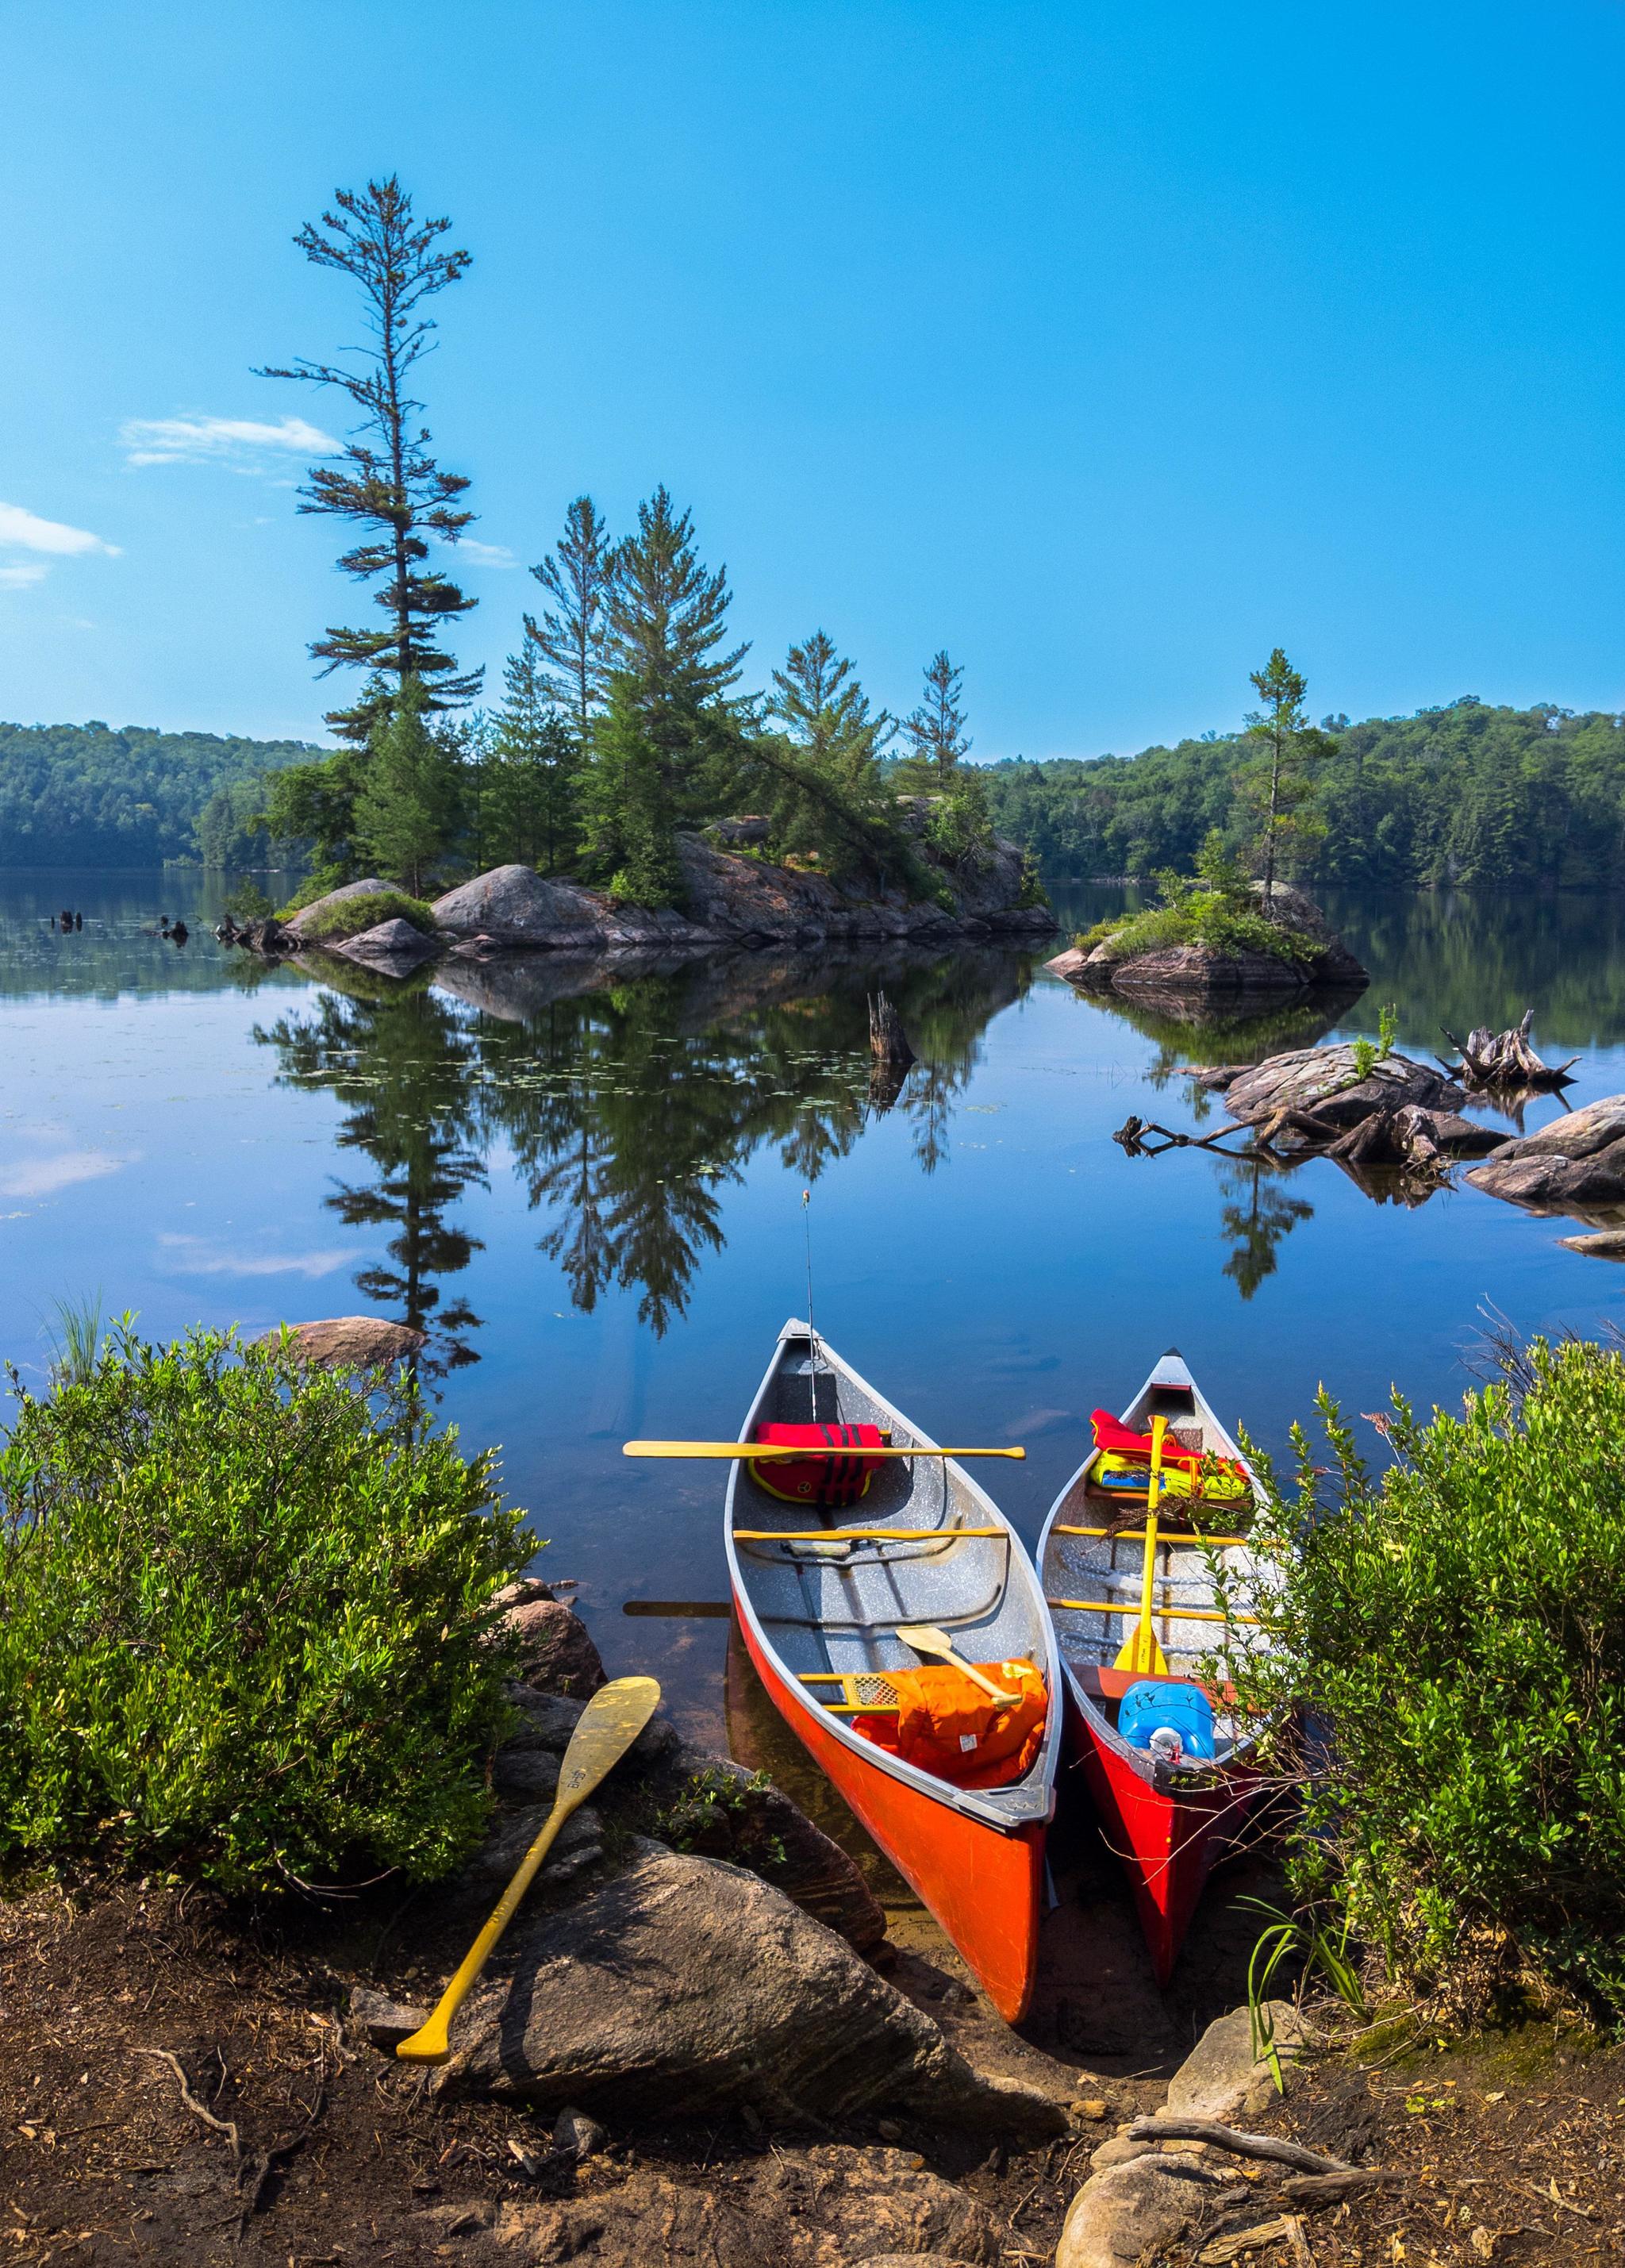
{"x":629,"y":1104}
{"x":1221,"y":1034}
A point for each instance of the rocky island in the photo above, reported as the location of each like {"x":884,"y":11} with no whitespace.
{"x":731,"y":900}
{"x":1213,"y":942}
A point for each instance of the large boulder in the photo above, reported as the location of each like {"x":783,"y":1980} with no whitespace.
{"x":394,"y":948}
{"x":1201,"y":974}
{"x":350,"y":1342}
{"x":1198,"y":970}
{"x":1325,"y":1081}
{"x":682,"y":1986}
{"x":1574,"y":1164}
{"x":516,"y":906}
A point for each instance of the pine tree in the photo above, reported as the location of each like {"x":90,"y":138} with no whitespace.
{"x":667,"y":723}
{"x":568,"y":646}
{"x":822,"y":778}
{"x":1278,"y":778}
{"x":533,"y":774}
{"x":825,"y":710}
{"x":407,"y":810}
{"x":387,"y":483}
{"x":936,"y":730}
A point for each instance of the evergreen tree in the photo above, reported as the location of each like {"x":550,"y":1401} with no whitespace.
{"x":825,"y":710}
{"x":820,"y":778}
{"x":388,"y":484}
{"x":406,"y":809}
{"x":568,"y":645}
{"x":667,"y":724}
{"x":936,"y":730}
{"x":1277,"y":780}
{"x":533,"y":776}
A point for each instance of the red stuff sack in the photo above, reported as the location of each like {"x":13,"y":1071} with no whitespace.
{"x":834,"y":1477}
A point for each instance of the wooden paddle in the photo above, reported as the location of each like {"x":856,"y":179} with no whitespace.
{"x":926,"y":1638}
{"x":1140,"y":1651}
{"x":780,"y":1449}
{"x":607,"y":1728}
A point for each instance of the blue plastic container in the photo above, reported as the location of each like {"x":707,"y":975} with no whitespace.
{"x":1184,"y":1709}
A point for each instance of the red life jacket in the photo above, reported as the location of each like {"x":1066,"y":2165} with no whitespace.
{"x":829,"y":1478}
{"x":1110,"y":1434}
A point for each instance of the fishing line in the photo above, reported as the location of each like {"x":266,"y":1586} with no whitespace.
{"x":807,"y":1224}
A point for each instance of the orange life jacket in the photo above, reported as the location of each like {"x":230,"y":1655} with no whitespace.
{"x":946,"y":1724}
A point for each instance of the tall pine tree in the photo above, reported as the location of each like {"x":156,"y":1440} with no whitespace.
{"x":936,"y":730}
{"x":568,"y":643}
{"x":667,"y":723}
{"x":387,"y":484}
{"x":820,"y":778}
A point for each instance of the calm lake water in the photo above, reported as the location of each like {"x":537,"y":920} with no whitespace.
{"x":590,"y":1194}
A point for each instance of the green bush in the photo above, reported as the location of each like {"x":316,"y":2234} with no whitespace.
{"x":245,"y":1628}
{"x":350,"y":916}
{"x":1215,"y":907}
{"x":1457,"y":1629}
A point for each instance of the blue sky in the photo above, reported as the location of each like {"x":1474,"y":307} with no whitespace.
{"x":1108,"y":345}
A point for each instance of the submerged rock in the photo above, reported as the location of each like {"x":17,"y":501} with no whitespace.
{"x":350,"y":1342}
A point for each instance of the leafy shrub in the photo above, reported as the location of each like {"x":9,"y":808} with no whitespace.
{"x":350,"y":916}
{"x":1459,"y":1629}
{"x":1215,"y":908}
{"x":245,"y":1619}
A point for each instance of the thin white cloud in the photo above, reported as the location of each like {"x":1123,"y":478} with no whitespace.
{"x":242,"y":444}
{"x":26,"y":531}
{"x":484,"y":555}
{"x":196,"y":1255}
{"x":19,"y":577}
{"x":46,"y":1176}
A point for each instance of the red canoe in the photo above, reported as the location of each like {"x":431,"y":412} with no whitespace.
{"x":1168,"y":1825}
{"x":812,"y":1611}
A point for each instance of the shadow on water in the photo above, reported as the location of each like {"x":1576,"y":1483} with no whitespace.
{"x":628,"y":1102}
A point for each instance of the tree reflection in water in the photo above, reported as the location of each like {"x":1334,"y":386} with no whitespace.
{"x":1259,"y":1215}
{"x":399,"y":1057}
{"x":629,"y":1108}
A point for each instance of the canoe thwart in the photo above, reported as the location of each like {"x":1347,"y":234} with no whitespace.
{"x":860,"y":1535}
{"x":1137,"y":1536}
{"x":1159,"y":1614}
{"x":752,"y":1452}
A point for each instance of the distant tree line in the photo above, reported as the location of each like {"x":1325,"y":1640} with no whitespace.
{"x":1471,"y":795}
{"x":101,"y":795}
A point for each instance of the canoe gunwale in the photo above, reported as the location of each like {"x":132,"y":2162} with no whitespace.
{"x":1007,"y":1810}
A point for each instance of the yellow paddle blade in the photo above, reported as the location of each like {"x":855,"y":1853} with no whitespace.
{"x":607,"y":1726}
{"x":1141,"y":1654}
{"x":753,"y":1449}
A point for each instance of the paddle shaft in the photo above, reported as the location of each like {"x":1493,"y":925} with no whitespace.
{"x":607,"y":1728}
{"x":753,"y":1450}
{"x":1143,"y":1649}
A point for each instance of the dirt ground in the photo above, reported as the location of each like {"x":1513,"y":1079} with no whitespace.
{"x":1511,"y":2150}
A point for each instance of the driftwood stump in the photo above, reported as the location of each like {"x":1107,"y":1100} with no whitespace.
{"x":1506,"y":1058}
{"x":888,"y":1044}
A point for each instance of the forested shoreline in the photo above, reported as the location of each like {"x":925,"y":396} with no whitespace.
{"x":1469,"y":795}
{"x":110,"y":796}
